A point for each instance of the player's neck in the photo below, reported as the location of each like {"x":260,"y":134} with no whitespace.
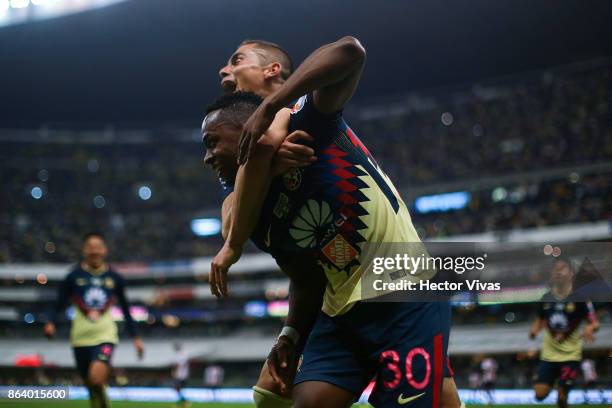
{"x":562,"y":291}
{"x":269,"y":89}
{"x":94,"y":270}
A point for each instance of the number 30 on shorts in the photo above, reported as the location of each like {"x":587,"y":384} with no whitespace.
{"x":393,"y":364}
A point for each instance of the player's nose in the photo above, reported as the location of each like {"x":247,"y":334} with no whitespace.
{"x":225,"y":72}
{"x":208,"y":157}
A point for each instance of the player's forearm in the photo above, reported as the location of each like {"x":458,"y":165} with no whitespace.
{"x":536,"y":327}
{"x":130,"y":324}
{"x":63,"y":294}
{"x":226,"y":215}
{"x":305,"y":300}
{"x":252,"y":184}
{"x":326,"y":66}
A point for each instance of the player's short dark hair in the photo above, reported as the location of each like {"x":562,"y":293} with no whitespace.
{"x":272,"y":52}
{"x":92,"y":234}
{"x":235,"y":107}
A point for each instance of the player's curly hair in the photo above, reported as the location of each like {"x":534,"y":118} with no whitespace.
{"x":235,"y":107}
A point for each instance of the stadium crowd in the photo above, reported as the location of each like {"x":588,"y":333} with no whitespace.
{"x":144,"y":194}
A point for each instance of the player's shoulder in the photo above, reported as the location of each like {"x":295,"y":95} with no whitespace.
{"x":548,"y":297}
{"x":74,"y":271}
{"x":305,"y":106}
{"x":112,"y":272}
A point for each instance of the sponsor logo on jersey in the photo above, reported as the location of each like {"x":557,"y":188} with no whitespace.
{"x":299,"y":104}
{"x":95,"y":298}
{"x":267,"y":240}
{"x":308,"y":225}
{"x":404,"y":400}
{"x":292,"y":179}
{"x":558,"y":321}
{"x":339,"y":251}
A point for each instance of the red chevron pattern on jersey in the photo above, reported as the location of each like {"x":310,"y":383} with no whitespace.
{"x":343,"y":192}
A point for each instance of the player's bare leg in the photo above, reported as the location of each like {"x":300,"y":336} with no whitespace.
{"x":562,"y":397}
{"x":450,"y":395}
{"x":541,"y":391}
{"x":268,"y":394}
{"x":96,"y":381}
{"x":319,"y":394}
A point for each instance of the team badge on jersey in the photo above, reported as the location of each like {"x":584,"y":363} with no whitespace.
{"x":292,"y":179}
{"x":109,"y":283}
{"x":81,"y":281}
{"x":299,"y":104}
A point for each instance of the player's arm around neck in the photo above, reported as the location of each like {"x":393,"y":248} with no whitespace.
{"x":332,"y":72}
{"x":253,"y":181}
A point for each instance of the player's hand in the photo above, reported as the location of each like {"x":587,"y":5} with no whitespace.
{"x":219,"y":267}
{"x":254,"y":128}
{"x":282,"y":362}
{"x":588,"y":334}
{"x":49,"y":330}
{"x":139,"y":347}
{"x":293,"y":153}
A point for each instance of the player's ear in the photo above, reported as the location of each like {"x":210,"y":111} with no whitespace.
{"x":273,"y":70}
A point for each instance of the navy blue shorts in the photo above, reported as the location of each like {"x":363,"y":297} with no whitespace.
{"x":403,"y":346}
{"x":84,"y":356}
{"x":566,"y":372}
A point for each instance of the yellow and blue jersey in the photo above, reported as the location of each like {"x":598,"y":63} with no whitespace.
{"x":562,"y":339}
{"x":332,"y":208}
{"x":93,"y":293}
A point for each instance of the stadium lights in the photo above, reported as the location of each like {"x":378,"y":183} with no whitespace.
{"x":144,"y":192}
{"x":206,"y":227}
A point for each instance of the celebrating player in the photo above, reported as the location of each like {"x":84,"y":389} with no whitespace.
{"x":93,"y":287}
{"x":560,"y":316}
{"x":327,"y":212}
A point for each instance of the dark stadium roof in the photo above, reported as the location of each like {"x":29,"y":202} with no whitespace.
{"x":157,"y":60}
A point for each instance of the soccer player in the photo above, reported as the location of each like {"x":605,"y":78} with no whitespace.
{"x":489,"y":376}
{"x":589,"y":373}
{"x":180,"y":373}
{"x":329,"y":210}
{"x":307,"y":280}
{"x":560,"y":315}
{"x":93,"y":287}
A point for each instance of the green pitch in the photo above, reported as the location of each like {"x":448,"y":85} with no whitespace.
{"x":4,"y":403}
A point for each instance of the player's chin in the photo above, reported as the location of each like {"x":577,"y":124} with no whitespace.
{"x":228,"y":86}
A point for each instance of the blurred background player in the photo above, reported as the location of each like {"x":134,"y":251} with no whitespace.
{"x":93,"y":287}
{"x":589,"y":374}
{"x":180,"y":373}
{"x":489,"y":376}
{"x":561,"y":316}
